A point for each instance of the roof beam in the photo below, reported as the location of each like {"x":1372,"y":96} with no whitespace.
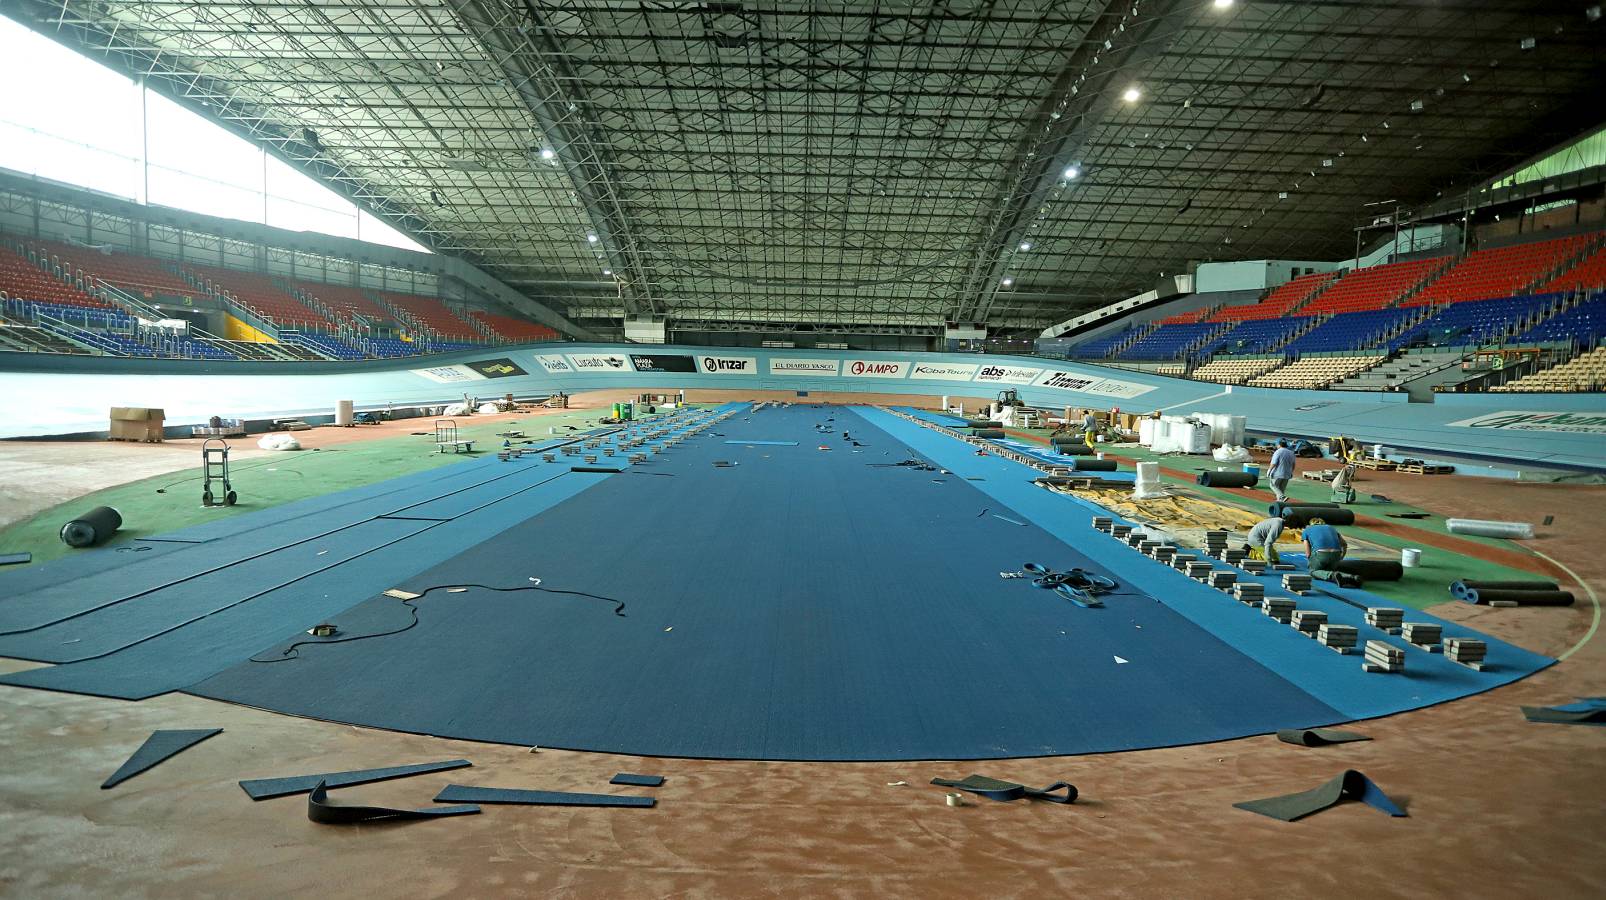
{"x":514,"y":35}
{"x":1125,"y":37}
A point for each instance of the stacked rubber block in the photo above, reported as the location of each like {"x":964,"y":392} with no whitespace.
{"x":1297,"y":582}
{"x":1386,"y":618}
{"x":1308,"y":621}
{"x":1341,"y":638}
{"x":1279,"y":608}
{"x":1423,"y":634}
{"x":1466,"y":651}
{"x":1382,"y":656}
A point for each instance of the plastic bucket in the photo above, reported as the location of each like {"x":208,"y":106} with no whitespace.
{"x":1410,"y":557}
{"x":1251,"y":469}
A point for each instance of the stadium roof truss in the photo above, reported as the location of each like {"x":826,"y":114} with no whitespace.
{"x":865,"y":166}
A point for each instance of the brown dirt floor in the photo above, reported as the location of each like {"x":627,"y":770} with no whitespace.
{"x":1498,"y":807}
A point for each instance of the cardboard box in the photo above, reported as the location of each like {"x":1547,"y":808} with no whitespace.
{"x":137,"y":423}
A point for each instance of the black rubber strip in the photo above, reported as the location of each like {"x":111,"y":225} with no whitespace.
{"x":1350,"y":785}
{"x":1319,"y":737}
{"x":1226,"y":479}
{"x":158,"y":748}
{"x":12,"y":559}
{"x":987,"y":432}
{"x":267,"y":788}
{"x":603,"y":469}
{"x":637,"y":780}
{"x":1083,"y":464}
{"x":320,"y":810}
{"x":1004,"y":791}
{"x":461,"y":793}
{"x":1373,"y":569}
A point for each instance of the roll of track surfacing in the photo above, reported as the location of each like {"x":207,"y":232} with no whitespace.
{"x":1083,"y":464}
{"x":1227,"y":479}
{"x":1520,"y":598}
{"x":1279,"y":509}
{"x":92,"y":527}
{"x":1299,"y":517}
{"x":987,"y":432}
{"x":1373,"y":569}
{"x":1073,"y":449}
{"x":1459,"y":589}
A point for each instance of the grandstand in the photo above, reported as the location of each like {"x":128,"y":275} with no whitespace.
{"x":759,"y":429}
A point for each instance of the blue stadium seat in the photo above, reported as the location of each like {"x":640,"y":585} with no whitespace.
{"x":1170,"y":341}
{"x":1253,"y":336}
{"x":1352,"y":331}
{"x":1585,"y":323}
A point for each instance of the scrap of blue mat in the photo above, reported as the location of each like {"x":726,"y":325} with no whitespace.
{"x":1348,"y":785}
{"x":268,"y":788}
{"x":459,"y":793}
{"x":158,"y":748}
{"x":637,"y":780}
{"x":765,"y":443}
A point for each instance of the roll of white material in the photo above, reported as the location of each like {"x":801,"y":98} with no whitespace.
{"x":1410,"y":557}
{"x":1489,"y":528}
{"x":343,"y":412}
{"x":1149,"y":472}
{"x":1146,"y":432}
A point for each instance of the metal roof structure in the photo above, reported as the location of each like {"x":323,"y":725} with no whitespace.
{"x":859,"y":165}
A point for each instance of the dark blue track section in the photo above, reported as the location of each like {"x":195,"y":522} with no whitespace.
{"x":802,"y":604}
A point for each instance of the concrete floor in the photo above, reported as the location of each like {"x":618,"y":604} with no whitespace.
{"x":1498,"y":806}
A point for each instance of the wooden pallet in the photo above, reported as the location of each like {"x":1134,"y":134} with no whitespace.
{"x":1413,"y":469}
{"x":1376,"y":465}
{"x":1322,"y":475}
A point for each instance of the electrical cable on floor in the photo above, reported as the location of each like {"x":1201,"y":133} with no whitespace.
{"x":291,"y":652}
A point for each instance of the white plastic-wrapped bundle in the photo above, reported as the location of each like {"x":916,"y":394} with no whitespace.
{"x":1489,"y":528}
{"x":1230,"y":453}
{"x":456,"y":409}
{"x":489,"y":409}
{"x":1146,"y":431}
{"x":279,"y":442}
{"x":1148,"y":482}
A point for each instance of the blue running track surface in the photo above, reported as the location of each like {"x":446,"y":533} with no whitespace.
{"x":807,"y":604}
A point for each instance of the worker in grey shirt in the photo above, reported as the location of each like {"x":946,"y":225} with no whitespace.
{"x":1090,"y":427}
{"x":1281,"y":470}
{"x":1264,"y":536}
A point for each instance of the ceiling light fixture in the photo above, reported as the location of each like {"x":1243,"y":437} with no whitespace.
{"x":1072,"y":173}
{"x":1132,"y":94}
{"x":591,"y":238}
{"x":549,"y":154}
{"x":1222,"y":4}
{"x":1008,"y":281}
{"x":1025,"y":245}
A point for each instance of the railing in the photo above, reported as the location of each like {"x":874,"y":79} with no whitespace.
{"x":73,"y":334}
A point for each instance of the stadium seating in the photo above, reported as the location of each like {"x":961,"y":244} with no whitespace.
{"x":1315,"y":371}
{"x":1170,"y":341}
{"x":1581,"y":373}
{"x":512,"y":329}
{"x":347,"y":303}
{"x":386,"y":348}
{"x":21,"y":279}
{"x":1585,"y":323}
{"x":140,"y":274}
{"x":1101,"y":346}
{"x":262,"y":295}
{"x":1255,"y":336}
{"x":1236,"y":369}
{"x":1502,"y":271}
{"x":1375,"y":287}
{"x":434,"y":315}
{"x":1352,"y":331}
{"x":326,"y":345}
{"x":1589,"y":275}
{"x":1282,"y":299}
{"x":1473,"y":322}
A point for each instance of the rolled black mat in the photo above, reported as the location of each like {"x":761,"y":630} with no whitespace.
{"x":1279,"y":508}
{"x":1319,"y":737}
{"x":320,"y":810}
{"x":92,"y":527}
{"x":987,"y":432}
{"x":1227,"y":479}
{"x":1069,"y":439}
{"x":1004,"y":791}
{"x":1086,"y":464}
{"x":1350,"y":785}
{"x":605,"y":469}
{"x":1521,"y":598}
{"x":986,"y":425}
{"x":1077,"y":449}
{"x":1458,"y":589}
{"x":1300,"y":516}
{"x":1373,"y":569}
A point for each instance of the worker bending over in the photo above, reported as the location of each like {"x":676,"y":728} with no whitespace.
{"x":1325,"y":549}
{"x":1090,"y":428}
{"x":1281,"y":470}
{"x":1263,"y":537}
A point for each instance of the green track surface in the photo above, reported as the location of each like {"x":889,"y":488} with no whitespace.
{"x":1426,"y":585}
{"x":268,"y":481}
